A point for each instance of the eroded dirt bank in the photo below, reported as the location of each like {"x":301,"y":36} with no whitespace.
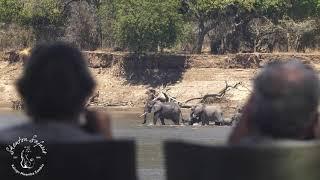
{"x":122,"y":79}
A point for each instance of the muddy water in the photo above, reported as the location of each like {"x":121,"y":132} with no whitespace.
{"x":149,"y":138}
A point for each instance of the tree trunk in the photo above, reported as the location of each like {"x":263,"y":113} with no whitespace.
{"x":200,"y":38}
{"x":223,"y":45}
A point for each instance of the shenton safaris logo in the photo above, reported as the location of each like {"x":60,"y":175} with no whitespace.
{"x":28,"y":156}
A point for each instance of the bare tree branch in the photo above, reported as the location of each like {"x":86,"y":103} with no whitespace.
{"x":218,"y":95}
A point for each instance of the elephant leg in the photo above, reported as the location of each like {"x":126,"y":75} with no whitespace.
{"x":155,"y":118}
{"x":220,"y":118}
{"x":207,"y":121}
{"x":144,"y":119}
{"x":203,"y":123}
{"x":162,"y":121}
{"x":204,"y":119}
{"x":176,"y":120}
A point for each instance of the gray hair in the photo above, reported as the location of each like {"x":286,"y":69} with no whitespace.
{"x":285,"y":99}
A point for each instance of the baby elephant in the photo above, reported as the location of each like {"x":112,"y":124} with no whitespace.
{"x":205,"y":113}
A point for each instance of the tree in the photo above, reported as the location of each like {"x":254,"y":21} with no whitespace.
{"x":107,"y":19}
{"x":45,"y":17}
{"x":208,"y":14}
{"x":146,"y":25}
{"x":82,"y":27}
{"x":301,"y":9}
{"x":73,"y":20}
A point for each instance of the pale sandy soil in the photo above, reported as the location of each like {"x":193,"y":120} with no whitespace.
{"x":195,"y":81}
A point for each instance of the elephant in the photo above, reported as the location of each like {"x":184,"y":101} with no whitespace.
{"x":152,"y":98}
{"x":237,"y":116}
{"x":204,"y":113}
{"x":164,"y":110}
{"x":147,"y":109}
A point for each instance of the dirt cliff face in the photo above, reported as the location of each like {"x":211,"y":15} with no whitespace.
{"x":122,"y":79}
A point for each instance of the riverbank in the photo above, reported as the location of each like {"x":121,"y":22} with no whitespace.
{"x":122,"y":78}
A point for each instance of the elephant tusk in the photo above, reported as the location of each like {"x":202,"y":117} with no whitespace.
{"x":143,"y":114}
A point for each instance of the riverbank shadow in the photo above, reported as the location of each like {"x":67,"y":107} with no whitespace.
{"x":154,"y":69}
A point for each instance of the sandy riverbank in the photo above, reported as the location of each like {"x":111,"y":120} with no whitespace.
{"x":122,"y":79}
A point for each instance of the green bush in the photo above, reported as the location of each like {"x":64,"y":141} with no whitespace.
{"x":146,"y":25}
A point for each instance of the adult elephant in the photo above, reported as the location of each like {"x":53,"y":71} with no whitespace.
{"x":163,"y":110}
{"x":152,"y":98}
{"x":206,"y":113}
{"x":147,"y":109}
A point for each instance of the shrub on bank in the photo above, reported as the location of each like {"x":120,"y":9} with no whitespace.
{"x":13,"y":36}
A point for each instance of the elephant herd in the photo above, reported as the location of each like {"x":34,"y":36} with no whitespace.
{"x":200,"y":113}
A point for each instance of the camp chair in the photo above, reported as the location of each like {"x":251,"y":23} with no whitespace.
{"x":98,"y":160}
{"x":281,"y":160}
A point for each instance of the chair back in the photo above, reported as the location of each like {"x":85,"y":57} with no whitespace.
{"x":283,"y":160}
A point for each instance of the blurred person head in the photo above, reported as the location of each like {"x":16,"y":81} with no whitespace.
{"x":283,"y":104}
{"x":56,"y":82}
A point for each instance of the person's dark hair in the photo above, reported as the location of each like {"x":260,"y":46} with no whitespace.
{"x":285,"y":100}
{"x":56,"y":82}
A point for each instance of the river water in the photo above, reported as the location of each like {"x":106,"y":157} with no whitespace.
{"x":149,"y":138}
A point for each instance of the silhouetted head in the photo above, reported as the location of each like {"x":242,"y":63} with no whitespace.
{"x":285,"y":100}
{"x":56,"y":82}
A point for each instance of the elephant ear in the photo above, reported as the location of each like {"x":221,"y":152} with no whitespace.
{"x":156,"y":107}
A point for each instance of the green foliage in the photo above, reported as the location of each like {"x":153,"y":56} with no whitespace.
{"x":273,"y":9}
{"x":301,"y":9}
{"x":107,"y":19}
{"x":297,"y":9}
{"x":206,"y":7}
{"x":31,"y":12}
{"x":186,"y":35}
{"x":145,"y":25}
{"x":44,"y":12}
{"x":9,"y":10}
